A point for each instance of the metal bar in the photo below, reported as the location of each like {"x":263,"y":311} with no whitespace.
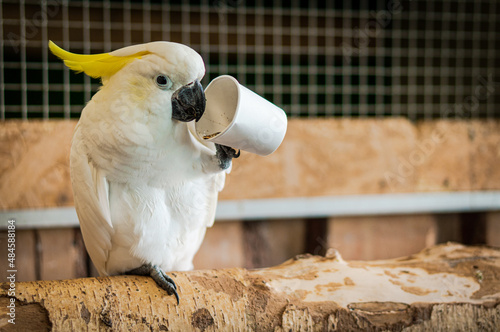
{"x":411,"y":102}
{"x":45,"y":62}
{"x":347,"y":28}
{"x":330,"y":34}
{"x":223,"y":42}
{"x":165,"y":21}
{"x":185,"y":19}
{"x":492,"y":38}
{"x":66,"y":73}
{"x":146,"y":21}
{"x":24,"y":87}
{"x":127,"y":26}
{"x":357,"y":205}
{"x":295,"y":108}
{"x":204,"y":29}
{"x":87,"y":48}
{"x":107,"y":26}
{"x":299,"y":207}
{"x":312,"y":43}
{"x":2,"y":86}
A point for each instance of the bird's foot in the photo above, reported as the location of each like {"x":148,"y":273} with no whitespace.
{"x":160,"y":277}
{"x":225,"y":154}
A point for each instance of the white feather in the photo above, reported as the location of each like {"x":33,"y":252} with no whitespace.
{"x":145,"y":186}
{"x":91,"y":196}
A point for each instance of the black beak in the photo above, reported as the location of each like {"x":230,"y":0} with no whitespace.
{"x":188,"y":102}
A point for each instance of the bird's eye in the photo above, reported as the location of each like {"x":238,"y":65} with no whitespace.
{"x":163,"y":82}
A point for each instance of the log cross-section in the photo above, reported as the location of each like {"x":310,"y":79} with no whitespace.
{"x":448,"y":287}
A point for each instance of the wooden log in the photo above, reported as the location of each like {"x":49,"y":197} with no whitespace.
{"x":448,"y":287}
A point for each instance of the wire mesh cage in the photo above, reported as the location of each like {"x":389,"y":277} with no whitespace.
{"x":418,"y":59}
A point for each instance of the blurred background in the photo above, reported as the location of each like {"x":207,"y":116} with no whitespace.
{"x":393,"y":142}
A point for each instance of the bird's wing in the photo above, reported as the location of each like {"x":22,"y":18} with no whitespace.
{"x":216,"y":181}
{"x":91,"y":193}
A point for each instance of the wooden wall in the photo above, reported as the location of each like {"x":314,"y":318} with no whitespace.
{"x":318,"y":157}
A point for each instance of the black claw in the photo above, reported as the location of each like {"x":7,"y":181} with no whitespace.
{"x":160,"y":277}
{"x":225,"y":154}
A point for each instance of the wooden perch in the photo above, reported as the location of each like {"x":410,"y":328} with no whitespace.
{"x":447,"y":287}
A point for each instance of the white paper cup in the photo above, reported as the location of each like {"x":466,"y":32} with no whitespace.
{"x":238,"y":117}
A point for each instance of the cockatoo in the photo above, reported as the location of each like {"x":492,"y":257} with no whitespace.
{"x":145,"y":187}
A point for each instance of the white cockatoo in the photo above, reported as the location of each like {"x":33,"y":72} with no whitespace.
{"x":145,"y":187}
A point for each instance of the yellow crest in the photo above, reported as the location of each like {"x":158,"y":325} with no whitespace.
{"x":94,"y":65}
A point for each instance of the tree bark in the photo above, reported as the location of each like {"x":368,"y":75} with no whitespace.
{"x":448,"y":287}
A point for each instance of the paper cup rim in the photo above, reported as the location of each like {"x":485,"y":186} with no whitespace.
{"x":233,"y":120}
